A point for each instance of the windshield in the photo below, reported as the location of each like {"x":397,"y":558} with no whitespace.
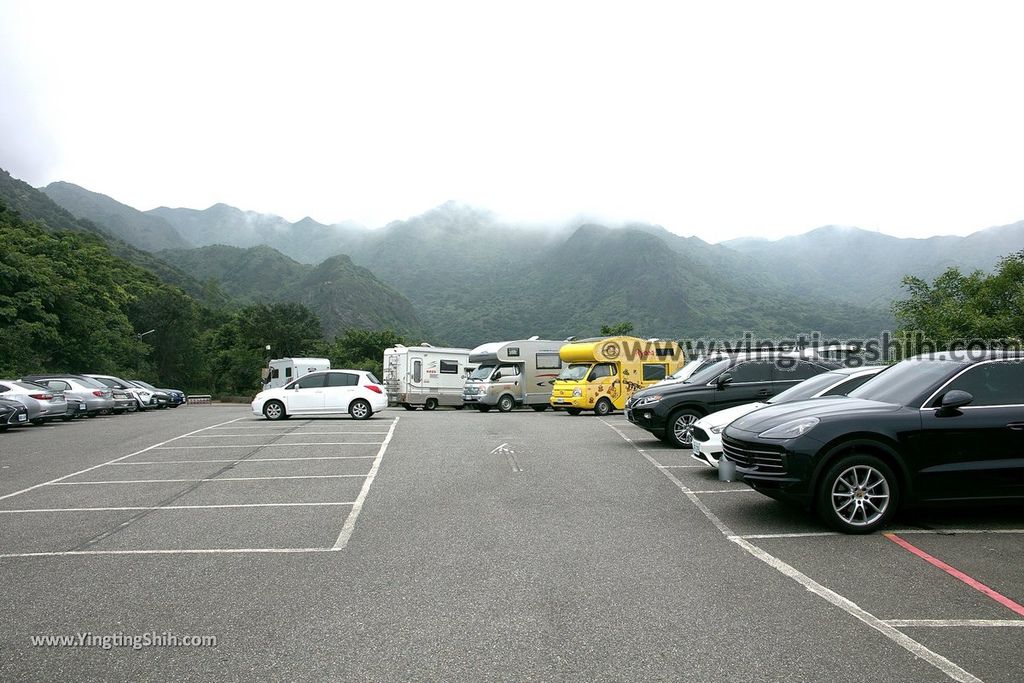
{"x":482,"y":372}
{"x":90,"y":382}
{"x":809,"y":387}
{"x":705,"y":375}
{"x":145,"y":385}
{"x":904,"y":382}
{"x":690,"y":368}
{"x":575,"y":371}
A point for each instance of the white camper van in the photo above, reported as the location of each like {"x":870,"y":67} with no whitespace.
{"x":281,"y":371}
{"x":425,"y":376}
{"x":513,"y":373}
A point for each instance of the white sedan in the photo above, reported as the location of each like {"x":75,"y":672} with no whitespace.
{"x":329,"y":392}
{"x":707,"y":431}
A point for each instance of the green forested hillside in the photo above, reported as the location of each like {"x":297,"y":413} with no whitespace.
{"x":141,"y":230}
{"x":33,"y":205}
{"x":342,"y":294}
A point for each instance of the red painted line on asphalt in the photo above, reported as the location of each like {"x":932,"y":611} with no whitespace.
{"x":952,"y":571}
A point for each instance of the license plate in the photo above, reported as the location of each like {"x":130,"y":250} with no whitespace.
{"x":22,"y":418}
{"x":81,"y":406}
{"x":696,"y":448}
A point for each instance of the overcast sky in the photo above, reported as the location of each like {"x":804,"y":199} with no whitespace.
{"x":716,"y":119}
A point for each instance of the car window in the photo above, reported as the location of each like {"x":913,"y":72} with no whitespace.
{"x":310,"y":382}
{"x":991,"y":384}
{"x":509,"y":370}
{"x":58,"y":384}
{"x":602,"y":370}
{"x":373,"y":378}
{"x":906,"y":382}
{"x":752,"y":371}
{"x":654,"y":371}
{"x":342,"y":379}
{"x":788,"y":371}
{"x":847,"y":386}
{"x":709,"y":373}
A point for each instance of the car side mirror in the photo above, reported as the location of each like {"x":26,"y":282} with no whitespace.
{"x":724,"y":380}
{"x":954,"y":399}
{"x":497,"y":376}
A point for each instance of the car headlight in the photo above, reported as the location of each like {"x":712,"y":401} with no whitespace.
{"x":577,"y":392}
{"x":648,"y":400}
{"x":717,"y":429}
{"x":791,"y":429}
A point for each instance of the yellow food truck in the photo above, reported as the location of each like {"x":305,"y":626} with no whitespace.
{"x":603,"y":373}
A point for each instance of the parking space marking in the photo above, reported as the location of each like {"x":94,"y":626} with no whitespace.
{"x":804,"y":534}
{"x":1012,"y":605}
{"x":746,"y":490}
{"x":307,"y":423}
{"x":944,"y":665}
{"x":208,"y":479}
{"x":942,"y":623}
{"x":174,"y":507}
{"x":111,"y":462}
{"x":357,"y":506}
{"x":202,"y":462}
{"x":269,"y":445}
{"x":169,"y":551}
{"x":228,"y":436}
{"x":902,"y":532}
{"x":681,"y":467}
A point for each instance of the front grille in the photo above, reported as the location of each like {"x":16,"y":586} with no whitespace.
{"x":700,"y":434}
{"x":754,"y":456}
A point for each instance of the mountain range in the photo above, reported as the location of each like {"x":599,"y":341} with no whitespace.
{"x":458,"y":275}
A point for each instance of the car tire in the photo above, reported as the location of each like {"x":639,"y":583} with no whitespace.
{"x":603,"y":407}
{"x":506,"y":403}
{"x":459,"y":407}
{"x":408,"y":407}
{"x":360,"y":409}
{"x":574,"y":411}
{"x":67,"y":418}
{"x":858,"y":494}
{"x":274,"y":410}
{"x":38,"y":421}
{"x":679,"y":427}
{"x":540,"y":407}
{"x":430,"y":404}
{"x":483,"y":408}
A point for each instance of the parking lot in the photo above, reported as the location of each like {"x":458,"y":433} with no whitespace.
{"x":468,"y":546}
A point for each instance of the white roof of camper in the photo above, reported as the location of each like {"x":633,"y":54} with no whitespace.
{"x":495,"y":348}
{"x":398,"y":348}
{"x":300,"y":360}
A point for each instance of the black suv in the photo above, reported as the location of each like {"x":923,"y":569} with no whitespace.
{"x":669,"y":411}
{"x":938,"y":427}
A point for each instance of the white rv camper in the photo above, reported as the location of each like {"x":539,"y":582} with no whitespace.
{"x":513,"y":373}
{"x":281,"y":371}
{"x":425,"y":376}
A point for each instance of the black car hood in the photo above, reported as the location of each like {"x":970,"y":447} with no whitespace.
{"x":822,"y":408}
{"x":668,"y":390}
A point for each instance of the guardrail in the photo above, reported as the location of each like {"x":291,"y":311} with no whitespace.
{"x":200,"y":399}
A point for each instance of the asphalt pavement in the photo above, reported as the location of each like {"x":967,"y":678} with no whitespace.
{"x":455,"y":545}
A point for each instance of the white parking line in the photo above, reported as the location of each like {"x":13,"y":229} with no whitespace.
{"x":917,"y":649}
{"x":213,"y":480}
{"x":746,"y":490}
{"x":270,"y":445}
{"x":682,"y":467}
{"x":901,"y":532}
{"x":183,"y":551}
{"x":940,"y":623}
{"x":228,"y":436}
{"x":247,"y":460}
{"x":307,"y":423}
{"x":350,"y":521}
{"x":110,"y":462}
{"x":173,"y":507}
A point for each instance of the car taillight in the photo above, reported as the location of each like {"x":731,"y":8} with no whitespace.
{"x":374,"y":388}
{"x":41,"y":397}
{"x":98,"y":393}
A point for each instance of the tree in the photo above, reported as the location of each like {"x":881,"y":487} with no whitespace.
{"x":362,"y":349}
{"x":616,"y":329}
{"x":957,"y":309}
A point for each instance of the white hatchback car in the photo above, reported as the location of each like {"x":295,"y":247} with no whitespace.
{"x":328,"y":392}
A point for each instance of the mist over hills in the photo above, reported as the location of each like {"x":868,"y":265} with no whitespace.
{"x":341,"y":293}
{"x":471,"y":278}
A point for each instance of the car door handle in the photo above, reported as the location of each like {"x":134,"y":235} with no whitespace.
{"x":1018,"y":426}
{"x":764,"y":392}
